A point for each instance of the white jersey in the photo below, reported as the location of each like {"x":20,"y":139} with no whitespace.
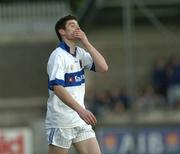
{"x":66,"y":70}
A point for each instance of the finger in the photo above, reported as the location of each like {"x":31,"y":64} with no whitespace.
{"x":92,"y":118}
{"x":76,"y":34}
{"x":87,"y":120}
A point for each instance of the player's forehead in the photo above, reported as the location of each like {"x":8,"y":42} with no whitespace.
{"x":72,"y":22}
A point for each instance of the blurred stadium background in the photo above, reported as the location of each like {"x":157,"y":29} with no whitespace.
{"x":137,"y":102}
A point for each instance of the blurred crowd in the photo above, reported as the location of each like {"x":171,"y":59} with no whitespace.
{"x":162,"y":92}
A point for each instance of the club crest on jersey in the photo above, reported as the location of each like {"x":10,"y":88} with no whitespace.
{"x":71,"y":80}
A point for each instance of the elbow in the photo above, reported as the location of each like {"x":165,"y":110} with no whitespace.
{"x":104,"y":69}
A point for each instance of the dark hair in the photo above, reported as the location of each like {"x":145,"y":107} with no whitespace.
{"x":61,"y":23}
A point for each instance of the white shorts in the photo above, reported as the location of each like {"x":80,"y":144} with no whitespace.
{"x":64,"y":137}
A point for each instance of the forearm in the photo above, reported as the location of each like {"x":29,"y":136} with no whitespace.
{"x":62,"y":94}
{"x":99,"y":61}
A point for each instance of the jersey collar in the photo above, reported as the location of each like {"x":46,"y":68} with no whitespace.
{"x":64,"y":46}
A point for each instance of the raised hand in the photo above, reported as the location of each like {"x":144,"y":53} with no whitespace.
{"x":80,"y":35}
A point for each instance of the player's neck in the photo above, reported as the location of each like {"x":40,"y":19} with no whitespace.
{"x":71,"y":44}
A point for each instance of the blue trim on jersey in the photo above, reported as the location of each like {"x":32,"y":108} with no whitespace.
{"x":93,"y":68}
{"x":50,"y":141}
{"x":71,"y":80}
{"x":55,"y":82}
{"x":64,"y":46}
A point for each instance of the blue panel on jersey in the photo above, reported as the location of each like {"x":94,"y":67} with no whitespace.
{"x":71,"y":79}
{"x":74,"y":79}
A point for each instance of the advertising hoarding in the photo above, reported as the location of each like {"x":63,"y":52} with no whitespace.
{"x":139,"y":141}
{"x":15,"y":141}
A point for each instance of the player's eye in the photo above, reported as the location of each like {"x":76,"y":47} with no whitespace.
{"x":73,"y":25}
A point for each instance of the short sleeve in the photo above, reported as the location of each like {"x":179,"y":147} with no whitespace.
{"x":56,"y":71}
{"x":87,"y":61}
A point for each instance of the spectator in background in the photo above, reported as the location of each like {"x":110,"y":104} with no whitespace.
{"x":103,"y":104}
{"x":158,"y":77}
{"x":149,"y":100}
{"x":119,"y":100}
{"x":173,"y":80}
{"x":117,"y":105}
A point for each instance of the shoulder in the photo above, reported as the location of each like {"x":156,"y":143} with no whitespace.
{"x":58,"y":52}
{"x":57,"y":55}
{"x":80,"y":51}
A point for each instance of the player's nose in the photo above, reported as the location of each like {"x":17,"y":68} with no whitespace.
{"x":77,"y":27}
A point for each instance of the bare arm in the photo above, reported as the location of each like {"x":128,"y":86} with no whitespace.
{"x":86,"y":115}
{"x":99,"y":61}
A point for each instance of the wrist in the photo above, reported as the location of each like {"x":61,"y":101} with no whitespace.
{"x":87,"y":44}
{"x":78,"y":108}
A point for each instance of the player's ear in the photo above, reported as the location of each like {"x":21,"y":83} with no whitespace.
{"x":61,"y":32}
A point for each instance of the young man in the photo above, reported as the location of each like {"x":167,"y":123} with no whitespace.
{"x":67,"y":120}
